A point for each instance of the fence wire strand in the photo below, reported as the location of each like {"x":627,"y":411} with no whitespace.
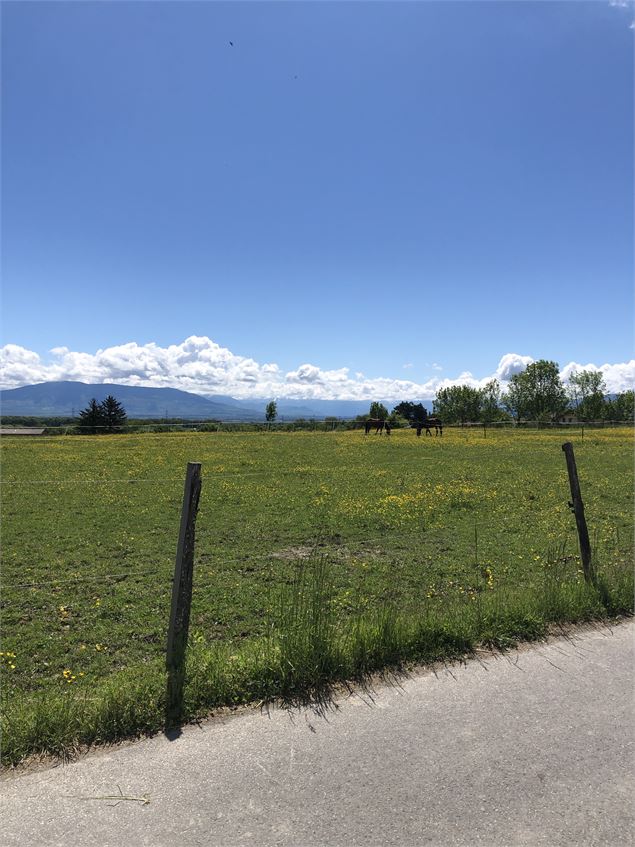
{"x":82,"y":579}
{"x":316,"y":544}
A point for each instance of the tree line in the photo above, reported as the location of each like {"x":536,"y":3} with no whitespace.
{"x":535,"y":394}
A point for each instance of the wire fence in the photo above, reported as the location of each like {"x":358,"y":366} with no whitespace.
{"x":441,"y":544}
{"x":294,"y":547}
{"x":115,"y":606}
{"x":311,"y":424}
{"x":499,"y":527}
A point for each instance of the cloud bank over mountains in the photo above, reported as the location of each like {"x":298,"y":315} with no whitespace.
{"x":201,"y":366}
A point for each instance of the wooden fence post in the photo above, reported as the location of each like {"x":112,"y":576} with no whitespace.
{"x":182,"y":595}
{"x":577,"y":507}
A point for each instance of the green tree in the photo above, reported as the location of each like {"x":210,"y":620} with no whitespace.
{"x":412,"y":412}
{"x":536,"y":393}
{"x":271,"y":412}
{"x":621,"y":407}
{"x":91,"y":418}
{"x":491,"y":402}
{"x":378,"y":411}
{"x":514,"y":401}
{"x":586,"y":390}
{"x":113,"y":414}
{"x":458,"y":403}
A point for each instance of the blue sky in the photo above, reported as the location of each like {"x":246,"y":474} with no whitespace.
{"x":309,"y":191}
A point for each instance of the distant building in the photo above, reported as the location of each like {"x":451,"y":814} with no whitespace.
{"x":569,"y":417}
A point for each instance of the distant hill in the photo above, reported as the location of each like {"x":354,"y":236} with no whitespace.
{"x":67,"y":399}
{"x":291,"y":410}
{"x":347,"y":409}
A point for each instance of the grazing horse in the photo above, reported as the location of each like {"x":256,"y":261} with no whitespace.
{"x":378,"y":424}
{"x":427,"y":424}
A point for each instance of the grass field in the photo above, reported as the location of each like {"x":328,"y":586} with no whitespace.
{"x":466,"y":536}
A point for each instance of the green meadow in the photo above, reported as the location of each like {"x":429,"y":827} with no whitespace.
{"x":319,"y":557}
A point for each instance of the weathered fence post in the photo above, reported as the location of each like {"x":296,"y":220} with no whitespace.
{"x":182,"y":595}
{"x":577,"y":507}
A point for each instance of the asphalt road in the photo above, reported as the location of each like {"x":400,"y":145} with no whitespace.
{"x":535,"y":747}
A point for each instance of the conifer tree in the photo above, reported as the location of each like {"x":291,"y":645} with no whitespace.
{"x":91,"y":419}
{"x":113,"y":414}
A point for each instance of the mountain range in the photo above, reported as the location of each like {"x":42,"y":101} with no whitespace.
{"x":67,"y":399}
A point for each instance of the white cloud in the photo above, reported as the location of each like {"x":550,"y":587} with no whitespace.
{"x":618,"y":378}
{"x":20,"y":366}
{"x":201,"y":366}
{"x":304,"y":374}
{"x":511,"y":364}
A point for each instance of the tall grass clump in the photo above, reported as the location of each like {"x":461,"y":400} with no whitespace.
{"x":59,"y":723}
{"x":303,"y":643}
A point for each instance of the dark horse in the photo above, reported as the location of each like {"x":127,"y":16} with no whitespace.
{"x":378,"y":425}
{"x":427,"y":424}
